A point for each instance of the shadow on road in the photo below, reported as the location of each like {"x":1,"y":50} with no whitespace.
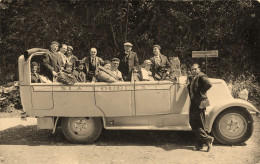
{"x":168,"y":140}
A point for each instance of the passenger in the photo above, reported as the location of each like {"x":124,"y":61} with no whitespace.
{"x":160,"y":64}
{"x":35,"y":77}
{"x":146,"y":74}
{"x":105,"y":74}
{"x":114,"y":68}
{"x":66,"y":76}
{"x":175,"y":68}
{"x":107,"y":65}
{"x":52,"y":61}
{"x":79,"y":72}
{"x":62,"y":52}
{"x":136,"y":74}
{"x":129,"y":59}
{"x":92,"y":62}
{"x":70,"y":57}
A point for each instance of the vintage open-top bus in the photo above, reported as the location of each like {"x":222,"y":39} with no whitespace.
{"x":84,"y":109}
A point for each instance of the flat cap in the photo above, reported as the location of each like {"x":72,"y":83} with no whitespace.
{"x":34,"y":64}
{"x":79,"y":62}
{"x":107,"y":62}
{"x":115,"y":60}
{"x":54,"y":42}
{"x":159,"y":47}
{"x":70,"y":47}
{"x":128,"y":44}
{"x":147,"y":62}
{"x":69,"y":64}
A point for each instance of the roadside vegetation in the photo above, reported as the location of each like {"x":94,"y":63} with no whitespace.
{"x":179,"y":27}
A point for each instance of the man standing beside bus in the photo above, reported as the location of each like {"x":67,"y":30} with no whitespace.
{"x":198,"y":86}
{"x":128,"y":59}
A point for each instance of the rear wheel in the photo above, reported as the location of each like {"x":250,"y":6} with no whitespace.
{"x":81,"y":129}
{"x":233,"y":126}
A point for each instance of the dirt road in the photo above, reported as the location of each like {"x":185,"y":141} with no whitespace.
{"x":21,"y":142}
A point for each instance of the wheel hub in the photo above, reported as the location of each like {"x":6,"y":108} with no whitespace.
{"x":232,"y":126}
{"x":81,"y":125}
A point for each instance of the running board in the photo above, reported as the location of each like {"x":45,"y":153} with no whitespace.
{"x":178,"y":128}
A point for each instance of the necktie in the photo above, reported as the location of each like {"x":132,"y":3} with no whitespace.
{"x":157,"y":60}
{"x":92,"y":61}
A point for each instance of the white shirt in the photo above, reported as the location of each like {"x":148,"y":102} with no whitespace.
{"x":118,"y":74}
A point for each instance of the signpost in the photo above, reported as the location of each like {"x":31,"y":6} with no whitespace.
{"x":206,"y":55}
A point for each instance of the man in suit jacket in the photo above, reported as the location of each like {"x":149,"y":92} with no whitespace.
{"x":92,"y":62}
{"x":35,"y":77}
{"x":52,"y":61}
{"x":128,"y":60}
{"x":198,"y":86}
{"x":160,"y":64}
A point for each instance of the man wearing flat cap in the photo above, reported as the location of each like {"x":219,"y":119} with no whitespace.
{"x":160,"y":64}
{"x":92,"y":62}
{"x":128,"y":59}
{"x":52,"y":61}
{"x":114,"y":69}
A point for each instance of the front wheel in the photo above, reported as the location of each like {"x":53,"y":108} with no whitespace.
{"x":81,"y":129}
{"x":233,"y":126}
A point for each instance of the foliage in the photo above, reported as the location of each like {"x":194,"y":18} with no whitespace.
{"x":248,"y":82}
{"x":10,"y":99}
{"x":180,"y":27}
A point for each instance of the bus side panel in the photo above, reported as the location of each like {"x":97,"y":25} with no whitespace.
{"x":180,"y":100}
{"x":75,"y":101}
{"x":25,"y":94}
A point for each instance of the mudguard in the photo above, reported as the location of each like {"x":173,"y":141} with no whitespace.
{"x":215,"y":110}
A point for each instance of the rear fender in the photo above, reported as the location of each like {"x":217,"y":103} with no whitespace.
{"x":215,"y":110}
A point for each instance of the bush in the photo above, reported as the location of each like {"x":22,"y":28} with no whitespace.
{"x":246,"y":81}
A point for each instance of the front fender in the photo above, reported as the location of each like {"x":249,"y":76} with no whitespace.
{"x":213,"y":111}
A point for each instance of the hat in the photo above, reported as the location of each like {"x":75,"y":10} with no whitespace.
{"x":147,"y":62}
{"x":107,"y":62}
{"x":128,"y":44}
{"x":35,"y":64}
{"x":115,"y":59}
{"x":70,"y":47}
{"x":54,"y":42}
{"x":79,"y":62}
{"x":159,"y":47}
{"x":68,"y":64}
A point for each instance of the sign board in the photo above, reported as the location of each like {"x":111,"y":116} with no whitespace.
{"x":203,"y":54}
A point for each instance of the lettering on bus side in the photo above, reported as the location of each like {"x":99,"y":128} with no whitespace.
{"x":114,"y":88}
{"x":72,"y":88}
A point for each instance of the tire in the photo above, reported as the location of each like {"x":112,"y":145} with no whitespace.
{"x":81,"y":129}
{"x":233,"y":126}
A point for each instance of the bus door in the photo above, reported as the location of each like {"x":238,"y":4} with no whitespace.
{"x":152,"y":97}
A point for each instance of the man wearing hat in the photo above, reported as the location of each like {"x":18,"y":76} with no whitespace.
{"x":92,"y":62}
{"x":146,"y":74}
{"x":35,"y":78}
{"x":66,"y":76}
{"x":160,"y":64}
{"x":79,"y":72}
{"x":128,"y":60}
{"x":114,"y":69}
{"x":52,"y":61}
